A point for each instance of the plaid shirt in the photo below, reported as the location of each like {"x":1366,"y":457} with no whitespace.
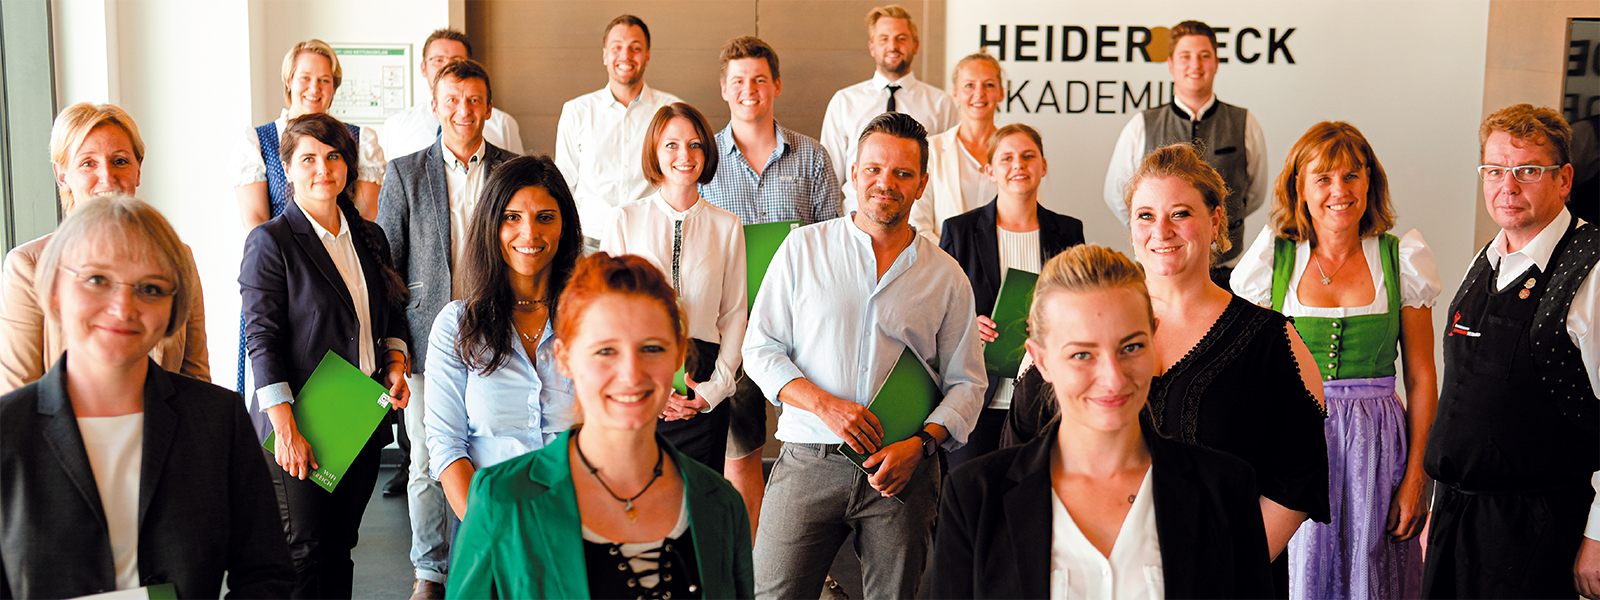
{"x":797,"y":183}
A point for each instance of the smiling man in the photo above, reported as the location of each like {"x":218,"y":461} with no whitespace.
{"x":1227,"y":137}
{"x":599,"y":134}
{"x":895,"y":290}
{"x":415,"y":128}
{"x":1514,"y":446}
{"x":424,"y":210}
{"x":892,"y":41}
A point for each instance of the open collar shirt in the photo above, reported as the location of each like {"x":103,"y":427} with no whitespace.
{"x":598,"y":147}
{"x":463,"y":180}
{"x":797,"y":182}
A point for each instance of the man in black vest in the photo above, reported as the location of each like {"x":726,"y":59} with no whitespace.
{"x":1227,"y":136}
{"x":1515,"y":446}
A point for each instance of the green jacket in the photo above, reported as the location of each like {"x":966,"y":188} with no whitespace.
{"x":522,"y":536}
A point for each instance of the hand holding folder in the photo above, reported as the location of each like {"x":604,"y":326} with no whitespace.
{"x":336,"y":412}
{"x":1003,"y":356}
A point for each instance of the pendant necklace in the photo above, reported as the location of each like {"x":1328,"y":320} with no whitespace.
{"x":1326,"y":278}
{"x":627,"y":509}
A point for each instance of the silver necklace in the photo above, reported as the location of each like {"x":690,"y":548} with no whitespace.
{"x":1326,"y":278}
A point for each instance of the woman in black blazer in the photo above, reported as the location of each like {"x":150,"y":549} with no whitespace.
{"x":115,"y":474}
{"x":1099,"y":505}
{"x":1013,"y":231}
{"x":317,"y":278}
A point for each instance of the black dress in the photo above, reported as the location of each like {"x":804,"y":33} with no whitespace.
{"x":1239,"y":391}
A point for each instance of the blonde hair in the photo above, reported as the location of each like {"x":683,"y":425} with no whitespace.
{"x":74,"y":124}
{"x":119,"y":226}
{"x":314,"y":46}
{"x":1183,"y":162}
{"x":1329,"y":144}
{"x":983,"y":57}
{"x":993,"y":143}
{"x":1532,"y":124}
{"x":1087,"y":268}
{"x":892,"y":11}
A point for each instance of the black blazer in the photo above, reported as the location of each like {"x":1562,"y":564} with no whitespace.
{"x":297,"y":308}
{"x":970,"y":237}
{"x":993,"y":536}
{"x":205,"y":502}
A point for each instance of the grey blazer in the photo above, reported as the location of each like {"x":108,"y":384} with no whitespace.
{"x":414,"y":212}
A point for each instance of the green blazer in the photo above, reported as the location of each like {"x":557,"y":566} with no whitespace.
{"x":522,"y":536}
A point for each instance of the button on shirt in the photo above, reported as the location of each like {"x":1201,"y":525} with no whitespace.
{"x":464,"y":182}
{"x":598,"y":146}
{"x":414,"y":129}
{"x":1133,"y":571}
{"x":853,"y":107}
{"x":826,"y":316}
{"x":796,"y":184}
{"x":490,"y":419}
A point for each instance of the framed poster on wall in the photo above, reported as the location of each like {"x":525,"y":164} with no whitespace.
{"x":376,"y":84}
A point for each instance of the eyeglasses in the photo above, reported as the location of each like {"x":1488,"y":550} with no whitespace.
{"x":149,"y":292}
{"x":1524,"y":173}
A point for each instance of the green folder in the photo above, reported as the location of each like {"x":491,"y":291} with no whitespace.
{"x":1003,"y":356}
{"x":904,"y":402}
{"x":760,"y":244}
{"x":337,"y":410}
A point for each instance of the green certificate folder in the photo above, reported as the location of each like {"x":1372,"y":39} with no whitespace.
{"x":906,"y":399}
{"x":760,"y":244}
{"x":337,"y":410}
{"x":1003,"y":356}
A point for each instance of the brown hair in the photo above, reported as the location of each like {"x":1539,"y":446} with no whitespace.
{"x":446,"y":33}
{"x":749,"y":47}
{"x":463,"y":69}
{"x":993,"y":143}
{"x":74,"y":124}
{"x":900,"y":125}
{"x":629,"y":20}
{"x":1532,"y":124}
{"x":1192,"y":27}
{"x":1183,"y":162}
{"x":1087,"y":268}
{"x":600,"y":274}
{"x":702,"y":128}
{"x":983,"y":57}
{"x":1329,"y":144}
{"x":314,"y":46}
{"x":119,"y":222}
{"x":892,"y":11}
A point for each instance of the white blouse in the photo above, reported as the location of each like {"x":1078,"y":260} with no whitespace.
{"x":701,"y":252}
{"x":248,"y":167}
{"x":1133,"y":571}
{"x":1419,"y":276}
{"x":115,"y":446}
{"x":976,"y":187}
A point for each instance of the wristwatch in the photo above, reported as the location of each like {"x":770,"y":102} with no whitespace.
{"x":929,"y":445}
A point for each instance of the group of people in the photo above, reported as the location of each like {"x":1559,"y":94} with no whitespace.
{"x":584,"y":377}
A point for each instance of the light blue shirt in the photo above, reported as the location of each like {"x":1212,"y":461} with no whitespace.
{"x":518,"y":409}
{"x":824,"y":315}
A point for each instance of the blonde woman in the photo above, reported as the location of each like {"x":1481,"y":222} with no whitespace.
{"x":957,"y":158}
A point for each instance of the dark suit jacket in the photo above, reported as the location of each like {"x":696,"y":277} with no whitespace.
{"x":297,"y":308}
{"x":993,"y":536}
{"x":205,"y":502}
{"x":414,"y":211}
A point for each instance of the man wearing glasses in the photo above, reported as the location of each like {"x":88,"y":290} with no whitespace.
{"x":1516,"y":443}
{"x":416,"y":128}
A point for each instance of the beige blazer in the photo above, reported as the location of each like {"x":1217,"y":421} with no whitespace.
{"x":30,"y":342}
{"x":942,"y":198}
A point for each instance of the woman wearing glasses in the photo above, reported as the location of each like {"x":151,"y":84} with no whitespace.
{"x":119,"y":474}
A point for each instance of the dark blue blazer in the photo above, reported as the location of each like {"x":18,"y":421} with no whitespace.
{"x":297,"y":308}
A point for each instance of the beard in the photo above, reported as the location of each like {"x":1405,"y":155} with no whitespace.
{"x":884,"y":216}
{"x":897,"y":69}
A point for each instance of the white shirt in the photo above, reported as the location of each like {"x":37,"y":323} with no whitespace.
{"x":116,"y":448}
{"x":1133,"y":571}
{"x":414,"y":129}
{"x":826,"y":316}
{"x":464,"y":180}
{"x":248,"y":167}
{"x":599,"y":143}
{"x":1018,"y":250}
{"x":1419,"y":276}
{"x":853,"y":107}
{"x":1130,"y":151}
{"x":701,"y":251}
{"x":976,"y":187}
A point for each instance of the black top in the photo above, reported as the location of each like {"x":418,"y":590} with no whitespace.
{"x":993,"y":535}
{"x":611,"y":574}
{"x":971,"y":239}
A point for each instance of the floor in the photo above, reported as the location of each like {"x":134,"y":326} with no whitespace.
{"x":382,"y":556}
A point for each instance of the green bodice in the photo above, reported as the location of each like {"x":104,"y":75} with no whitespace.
{"x":1347,"y":347}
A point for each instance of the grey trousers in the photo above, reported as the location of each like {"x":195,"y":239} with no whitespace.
{"x":815,"y":498}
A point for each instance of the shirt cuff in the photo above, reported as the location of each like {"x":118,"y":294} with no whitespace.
{"x":396,"y":344}
{"x":1592,"y":530}
{"x":273,"y":394}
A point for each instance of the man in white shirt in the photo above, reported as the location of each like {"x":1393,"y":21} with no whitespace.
{"x":415,"y":128}
{"x":1515,"y":446}
{"x":425,"y":211}
{"x":842,"y":300}
{"x":892,"y":41}
{"x":599,"y":136}
{"x":1228,"y":137}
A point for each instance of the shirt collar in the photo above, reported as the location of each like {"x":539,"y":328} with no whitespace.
{"x":728,"y":147}
{"x":322,"y":232}
{"x":1203,"y":108}
{"x":1540,"y":249}
{"x":451,"y":162}
{"x":672,"y":213}
{"x":879,"y":81}
{"x":644,"y":92}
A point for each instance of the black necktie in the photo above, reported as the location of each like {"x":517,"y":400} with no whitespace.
{"x":893,"y":87}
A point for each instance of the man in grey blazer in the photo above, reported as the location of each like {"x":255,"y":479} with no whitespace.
{"x":424,"y":209}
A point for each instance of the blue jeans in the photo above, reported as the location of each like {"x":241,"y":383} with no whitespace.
{"x":430,"y":544}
